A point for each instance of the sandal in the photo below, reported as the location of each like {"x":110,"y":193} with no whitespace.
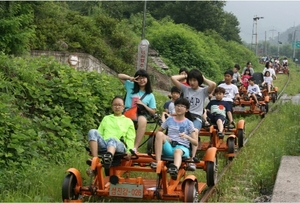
{"x":153,"y":165}
{"x":173,"y":170}
{"x":221,"y":135}
{"x":196,"y":160}
{"x":107,"y":159}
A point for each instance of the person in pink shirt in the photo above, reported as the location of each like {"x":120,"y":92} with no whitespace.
{"x":245,"y":78}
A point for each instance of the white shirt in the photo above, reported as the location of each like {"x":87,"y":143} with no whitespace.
{"x":285,"y":61}
{"x":271,"y":70}
{"x":230,"y":91}
{"x":268,"y":80}
{"x":254,"y":89}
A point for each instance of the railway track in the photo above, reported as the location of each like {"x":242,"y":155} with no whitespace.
{"x":210,"y":191}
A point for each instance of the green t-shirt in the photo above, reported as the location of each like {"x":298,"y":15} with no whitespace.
{"x":113,"y":126}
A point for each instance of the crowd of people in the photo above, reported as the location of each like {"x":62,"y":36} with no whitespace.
{"x":183,"y":117}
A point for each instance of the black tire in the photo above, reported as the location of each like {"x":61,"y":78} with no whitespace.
{"x":273,"y":97}
{"x":240,"y":138}
{"x":267,"y":107}
{"x":211,"y":172}
{"x":190,"y":191}
{"x":69,"y":184}
{"x":230,"y":145}
{"x":263,"y":108}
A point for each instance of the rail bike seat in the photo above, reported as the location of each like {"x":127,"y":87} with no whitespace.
{"x":258,"y":78}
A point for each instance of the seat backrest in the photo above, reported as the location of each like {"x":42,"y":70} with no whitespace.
{"x":258,"y":78}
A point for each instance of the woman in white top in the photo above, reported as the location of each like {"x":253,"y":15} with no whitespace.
{"x":268,"y":80}
{"x":269,"y":67}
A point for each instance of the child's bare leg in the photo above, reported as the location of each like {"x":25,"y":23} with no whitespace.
{"x":194,"y":148}
{"x":160,"y":139}
{"x":178,"y":157}
{"x":142,"y":123}
{"x":204,"y":115}
{"x":220,"y":125}
{"x":254,"y":97}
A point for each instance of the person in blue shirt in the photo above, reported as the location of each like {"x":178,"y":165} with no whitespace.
{"x":139,"y":92}
{"x":176,"y":143}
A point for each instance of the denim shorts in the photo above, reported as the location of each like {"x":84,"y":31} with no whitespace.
{"x":168,"y":150}
{"x":94,"y":135}
{"x":197,"y":123}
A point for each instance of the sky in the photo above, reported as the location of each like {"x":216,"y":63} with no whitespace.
{"x":278,"y":16}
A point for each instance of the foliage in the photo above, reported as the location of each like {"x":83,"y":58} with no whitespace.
{"x":108,"y":39}
{"x":233,"y":52}
{"x":16,"y":27}
{"x":47,"y":108}
{"x":211,"y":13}
{"x":183,"y":46}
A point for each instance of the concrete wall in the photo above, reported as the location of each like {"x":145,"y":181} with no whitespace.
{"x":86,"y":62}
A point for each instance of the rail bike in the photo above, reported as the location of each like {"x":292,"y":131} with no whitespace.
{"x":247,"y":105}
{"x":282,"y":69}
{"x":120,"y":180}
{"x":233,"y":138}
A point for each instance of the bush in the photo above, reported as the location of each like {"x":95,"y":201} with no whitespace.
{"x":48,"y":107}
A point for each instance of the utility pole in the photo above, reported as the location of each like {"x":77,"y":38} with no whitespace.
{"x":144,"y":20}
{"x":294,"y":44}
{"x":256,"y":37}
{"x":143,"y":47}
{"x":279,"y":42}
{"x":265,"y":49}
{"x":272,"y":33}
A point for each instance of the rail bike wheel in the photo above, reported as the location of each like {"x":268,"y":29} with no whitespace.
{"x":240,"y":138}
{"x":211,"y":172}
{"x":190,"y":191}
{"x":230,"y":145}
{"x":273,"y":97}
{"x":68,"y":186}
{"x":267,"y":107}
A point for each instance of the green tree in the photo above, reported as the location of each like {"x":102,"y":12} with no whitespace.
{"x":16,"y":27}
{"x":201,"y":15}
{"x":230,"y":29}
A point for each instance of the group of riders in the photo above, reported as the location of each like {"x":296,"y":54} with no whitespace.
{"x":278,"y":66}
{"x":185,"y":113}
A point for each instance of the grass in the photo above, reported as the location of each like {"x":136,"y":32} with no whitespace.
{"x":253,"y":172}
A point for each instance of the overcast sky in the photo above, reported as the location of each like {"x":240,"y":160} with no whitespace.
{"x":278,"y":16}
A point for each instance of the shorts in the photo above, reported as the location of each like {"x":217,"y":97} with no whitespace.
{"x":168,"y":150}
{"x":257,"y":96}
{"x":197,"y":123}
{"x":94,"y":135}
{"x":214,"y":118}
